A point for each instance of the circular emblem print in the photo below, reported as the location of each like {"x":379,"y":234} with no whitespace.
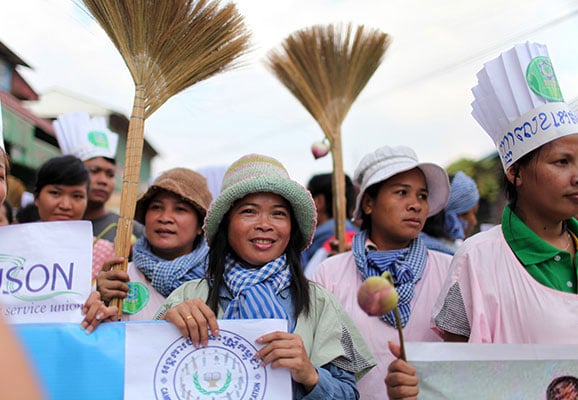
{"x":223,"y":370}
{"x":98,"y":139}
{"x":542,"y":79}
{"x":137,"y":298}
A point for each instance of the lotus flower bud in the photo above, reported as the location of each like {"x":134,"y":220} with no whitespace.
{"x":377,"y":295}
{"x":320,"y":148}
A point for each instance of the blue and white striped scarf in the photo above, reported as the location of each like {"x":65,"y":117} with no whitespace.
{"x":167,"y":275}
{"x":406,"y":267}
{"x":255,"y":289}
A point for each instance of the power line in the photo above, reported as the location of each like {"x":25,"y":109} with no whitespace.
{"x":481,"y":55}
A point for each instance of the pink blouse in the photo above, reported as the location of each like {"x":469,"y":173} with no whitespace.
{"x":340,"y":276}
{"x":503,"y":303}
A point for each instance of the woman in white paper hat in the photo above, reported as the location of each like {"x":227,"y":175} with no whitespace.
{"x":396,"y":195}
{"x":517,"y":282}
{"x":95,"y":145}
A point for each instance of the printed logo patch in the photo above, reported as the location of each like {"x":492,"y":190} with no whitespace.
{"x":542,"y":80}
{"x":138,"y":297}
{"x":98,"y":139}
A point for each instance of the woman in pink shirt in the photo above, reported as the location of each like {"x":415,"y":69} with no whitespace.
{"x":517,"y":282}
{"x":397,"y":194}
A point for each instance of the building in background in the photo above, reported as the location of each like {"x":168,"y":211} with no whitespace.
{"x":55,"y":102}
{"x":27,"y":124}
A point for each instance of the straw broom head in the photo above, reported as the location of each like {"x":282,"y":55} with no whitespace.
{"x":326,"y":67}
{"x":169,"y":45}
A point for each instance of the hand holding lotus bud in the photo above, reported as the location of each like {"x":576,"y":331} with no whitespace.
{"x":377,"y":295}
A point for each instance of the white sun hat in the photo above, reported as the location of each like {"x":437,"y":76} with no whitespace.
{"x":386,"y":161}
{"x":519,"y":104}
{"x":85,"y":137}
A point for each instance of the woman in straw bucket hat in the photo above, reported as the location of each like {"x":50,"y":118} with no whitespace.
{"x":172,"y":251}
{"x":396,"y":195}
{"x":528,"y":260}
{"x":256,"y":229}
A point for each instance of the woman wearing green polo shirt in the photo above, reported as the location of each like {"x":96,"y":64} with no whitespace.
{"x":517,"y":282}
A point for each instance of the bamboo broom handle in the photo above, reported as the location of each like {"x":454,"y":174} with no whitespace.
{"x":338,"y":188}
{"x":130,"y":180}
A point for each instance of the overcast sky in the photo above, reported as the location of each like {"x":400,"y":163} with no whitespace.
{"x":420,"y":96}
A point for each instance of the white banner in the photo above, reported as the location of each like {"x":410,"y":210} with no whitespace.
{"x":161,"y":364}
{"x":45,"y":271}
{"x":495,"y":371}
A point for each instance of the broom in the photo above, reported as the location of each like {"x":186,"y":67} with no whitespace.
{"x":168,"y":45}
{"x":326,"y":67}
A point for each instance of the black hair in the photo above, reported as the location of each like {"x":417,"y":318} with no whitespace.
{"x":63,"y":170}
{"x":6,"y":161}
{"x":9,"y":212}
{"x":552,"y":390}
{"x":28,"y":213}
{"x":299,"y":287}
{"x":323,"y":183}
{"x":110,"y":160}
{"x":510,"y":187}
{"x":435,"y":225}
{"x":372,"y":192}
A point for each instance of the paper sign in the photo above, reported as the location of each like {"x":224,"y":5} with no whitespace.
{"x":45,"y":271}
{"x":161,"y":364}
{"x":494,"y":371}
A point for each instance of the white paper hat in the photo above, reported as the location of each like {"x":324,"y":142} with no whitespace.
{"x":386,"y":161}
{"x":85,"y":137}
{"x":519,"y":104}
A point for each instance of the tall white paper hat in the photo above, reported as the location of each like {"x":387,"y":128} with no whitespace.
{"x":519,"y":104}
{"x":85,"y":137}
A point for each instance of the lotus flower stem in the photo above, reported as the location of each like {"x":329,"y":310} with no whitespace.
{"x":400,"y":332}
{"x":389,"y":277}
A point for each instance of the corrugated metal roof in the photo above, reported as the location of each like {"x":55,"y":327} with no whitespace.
{"x":16,"y":106}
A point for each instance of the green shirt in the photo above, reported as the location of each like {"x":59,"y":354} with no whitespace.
{"x":550,"y":266}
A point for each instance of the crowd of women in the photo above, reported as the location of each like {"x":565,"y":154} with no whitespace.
{"x":239,"y":255}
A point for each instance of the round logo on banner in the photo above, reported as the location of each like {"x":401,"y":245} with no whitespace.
{"x":542,"y":79}
{"x":225,"y":369}
{"x":137,"y":298}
